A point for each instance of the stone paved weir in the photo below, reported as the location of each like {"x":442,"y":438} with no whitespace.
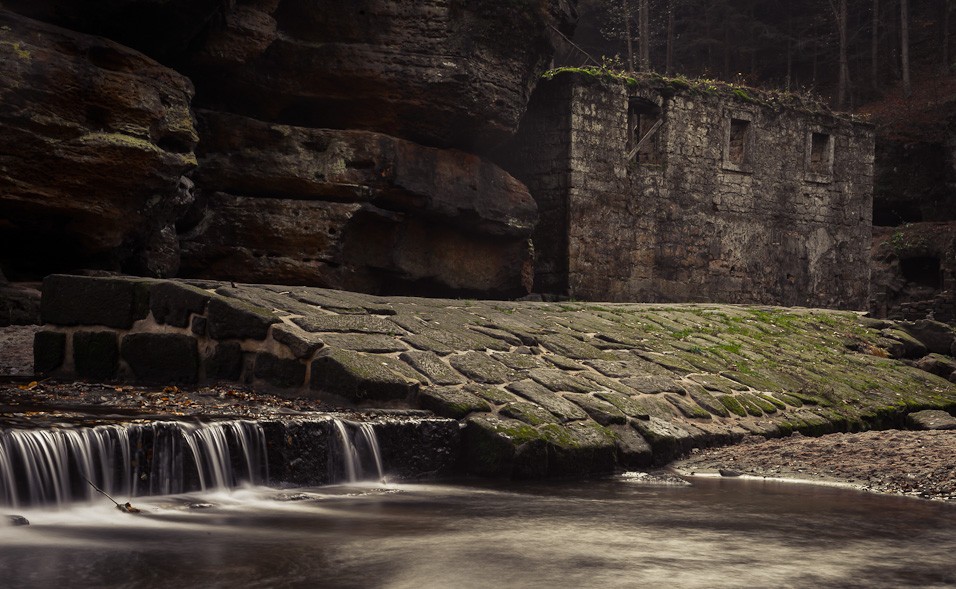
{"x":541,"y":389}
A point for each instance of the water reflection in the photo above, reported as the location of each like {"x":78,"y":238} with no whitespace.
{"x":616,"y":533}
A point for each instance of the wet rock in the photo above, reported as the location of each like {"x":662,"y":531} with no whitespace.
{"x":527,"y":412}
{"x":493,"y":447}
{"x":355,"y":210}
{"x":600,"y":411}
{"x":302,"y":344}
{"x":442,"y":73}
{"x":418,"y":448}
{"x":225,"y":362}
{"x":17,"y":520}
{"x":633,"y":451}
{"x":668,"y":439}
{"x":115,"y":127}
{"x":909,"y":346}
{"x":931,"y":420}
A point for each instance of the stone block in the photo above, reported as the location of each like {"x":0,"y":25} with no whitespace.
{"x":503,"y":448}
{"x":359,"y":377}
{"x":432,"y":366}
{"x":633,"y":451}
{"x":95,"y":354}
{"x":599,"y":410}
{"x":451,"y":402}
{"x":233,"y":319}
{"x":161,"y":358}
{"x":302,"y":344}
{"x":172,"y":303}
{"x":931,"y":420}
{"x":527,"y":412}
{"x":481,"y":368}
{"x":548,"y":399}
{"x":225,"y":363}
{"x":82,"y":300}
{"x":49,"y":351}
{"x":285,"y":373}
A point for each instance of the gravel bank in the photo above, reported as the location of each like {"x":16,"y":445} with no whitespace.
{"x":915,"y":463}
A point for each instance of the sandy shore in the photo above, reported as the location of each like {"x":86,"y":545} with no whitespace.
{"x":915,"y":463}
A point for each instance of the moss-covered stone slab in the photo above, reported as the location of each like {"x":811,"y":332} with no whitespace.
{"x":234,"y":319}
{"x":173,"y":303}
{"x":667,"y":438}
{"x":608,"y":384}
{"x":527,"y":412}
{"x":503,"y":447}
{"x":301,"y":343}
{"x":561,"y":381}
{"x":633,"y":451}
{"x":751,"y":405}
{"x":668,"y":361}
{"x":688,"y":408}
{"x":597,"y":409}
{"x":518,"y":361}
{"x":455,"y":339}
{"x":714,"y":382}
{"x":162,"y":358}
{"x":480,"y":367}
{"x":706,"y":401}
{"x":110,"y":302}
{"x":498,"y":334}
{"x":629,"y":367}
{"x":359,"y":377}
{"x":433,"y":367}
{"x":365,"y":342}
{"x":452,"y":402}
{"x":653,"y":385}
{"x":570,"y":347}
{"x":910,"y":347}
{"x":547,"y":399}
{"x":937,"y":364}
{"x":580,"y":448}
{"x":626,"y":403}
{"x":938,"y":337}
{"x":95,"y":354}
{"x":563,"y":363}
{"x":316,"y":323}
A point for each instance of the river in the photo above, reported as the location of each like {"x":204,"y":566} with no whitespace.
{"x":619,"y":532}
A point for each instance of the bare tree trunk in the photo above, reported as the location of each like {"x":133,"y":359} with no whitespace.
{"x":905,"y":46}
{"x":645,"y":33}
{"x":944,"y":41}
{"x":669,"y":58}
{"x":875,"y":47}
{"x":630,"y":36}
{"x":843,"y":81}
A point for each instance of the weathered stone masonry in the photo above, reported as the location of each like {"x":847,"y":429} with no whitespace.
{"x":539,"y":389}
{"x":729,"y":199}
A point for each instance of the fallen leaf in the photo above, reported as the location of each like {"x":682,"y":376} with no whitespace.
{"x":28,"y":387}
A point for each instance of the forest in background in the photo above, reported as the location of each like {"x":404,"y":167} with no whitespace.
{"x":850,"y":51}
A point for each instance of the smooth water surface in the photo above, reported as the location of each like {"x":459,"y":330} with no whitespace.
{"x":610,"y":533}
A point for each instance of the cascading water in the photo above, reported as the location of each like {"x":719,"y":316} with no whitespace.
{"x":62,"y":465}
{"x":359,"y":446}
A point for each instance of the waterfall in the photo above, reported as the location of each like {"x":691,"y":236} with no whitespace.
{"x":60,"y":465}
{"x":359,"y":450}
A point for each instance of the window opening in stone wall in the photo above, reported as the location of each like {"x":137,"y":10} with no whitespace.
{"x":821,"y":153}
{"x":644,"y":121}
{"x":922,"y":270}
{"x":738,"y":149}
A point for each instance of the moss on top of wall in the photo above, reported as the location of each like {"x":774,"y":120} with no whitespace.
{"x":672,"y":85}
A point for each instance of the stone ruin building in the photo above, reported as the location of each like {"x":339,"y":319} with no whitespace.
{"x":664,"y":191}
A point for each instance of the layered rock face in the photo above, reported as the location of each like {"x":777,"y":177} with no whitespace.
{"x":98,"y":139}
{"x":362,"y":210}
{"x":439,"y":72}
{"x":95,"y":141}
